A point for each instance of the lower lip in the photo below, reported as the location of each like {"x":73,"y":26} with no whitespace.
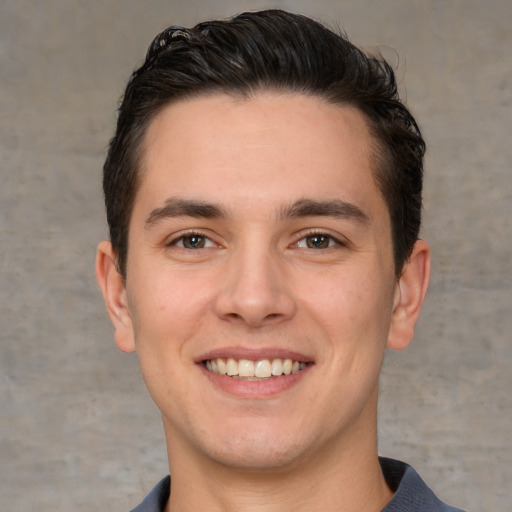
{"x":254,"y":389}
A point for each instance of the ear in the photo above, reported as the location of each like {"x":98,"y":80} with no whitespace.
{"x":409,"y":295}
{"x":113,"y":287}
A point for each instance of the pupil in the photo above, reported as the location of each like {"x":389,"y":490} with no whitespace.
{"x":318,"y":242}
{"x":193,"y":242}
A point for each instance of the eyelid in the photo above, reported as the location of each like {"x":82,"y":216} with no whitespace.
{"x":336,"y":237}
{"x":173,"y":240}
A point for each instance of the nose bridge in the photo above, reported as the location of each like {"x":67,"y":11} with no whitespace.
{"x":255,"y":289}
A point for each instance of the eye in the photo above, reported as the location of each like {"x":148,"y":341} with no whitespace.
{"x":317,"y":241}
{"x":192,"y":241}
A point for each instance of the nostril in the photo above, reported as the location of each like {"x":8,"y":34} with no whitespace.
{"x":234,"y":316}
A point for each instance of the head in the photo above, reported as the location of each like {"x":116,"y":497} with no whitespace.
{"x":268,"y":51}
{"x":263,"y":195}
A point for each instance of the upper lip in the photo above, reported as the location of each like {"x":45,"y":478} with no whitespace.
{"x":253,"y":354}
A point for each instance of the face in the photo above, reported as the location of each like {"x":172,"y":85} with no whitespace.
{"x":260,"y":291}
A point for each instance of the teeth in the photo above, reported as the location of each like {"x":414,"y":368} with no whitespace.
{"x":253,"y":370}
{"x":231,"y":367}
{"x":263,"y":369}
{"x":245,"y":368}
{"x":222,"y":366}
{"x":277,"y":367}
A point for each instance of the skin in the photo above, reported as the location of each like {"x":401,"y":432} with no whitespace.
{"x":257,"y":286}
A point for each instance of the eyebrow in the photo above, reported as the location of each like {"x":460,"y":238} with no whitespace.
{"x":175,"y":207}
{"x":332,"y":208}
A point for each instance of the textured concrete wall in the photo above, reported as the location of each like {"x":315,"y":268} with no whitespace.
{"x":78,"y":431}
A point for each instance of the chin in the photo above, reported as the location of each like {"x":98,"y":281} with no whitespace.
{"x":254,"y":450}
{"x":258,"y":457}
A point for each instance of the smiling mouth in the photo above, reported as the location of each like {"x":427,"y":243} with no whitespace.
{"x":245,"y":369}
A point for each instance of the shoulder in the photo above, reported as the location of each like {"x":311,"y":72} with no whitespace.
{"x":156,"y":500}
{"x":411,"y":492}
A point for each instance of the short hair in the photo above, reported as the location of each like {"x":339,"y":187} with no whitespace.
{"x":278,"y":51}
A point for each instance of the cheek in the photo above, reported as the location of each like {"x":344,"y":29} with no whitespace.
{"x":168,"y":296}
{"x":162,"y":316}
{"x":165,"y":315}
{"x":352,"y":308}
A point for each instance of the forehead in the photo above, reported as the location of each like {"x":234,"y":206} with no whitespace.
{"x":276,"y":147}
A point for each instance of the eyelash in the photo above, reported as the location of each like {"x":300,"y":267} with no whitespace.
{"x":175,"y":241}
{"x":332,"y":240}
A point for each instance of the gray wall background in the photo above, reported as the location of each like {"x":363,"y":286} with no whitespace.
{"x":78,"y":431}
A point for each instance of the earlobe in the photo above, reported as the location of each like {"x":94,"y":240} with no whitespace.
{"x":113,"y":288}
{"x":409,"y":295}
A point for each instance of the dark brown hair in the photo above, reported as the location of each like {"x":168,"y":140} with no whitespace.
{"x":272,"y":50}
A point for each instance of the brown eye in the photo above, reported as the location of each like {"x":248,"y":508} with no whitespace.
{"x":193,"y":241}
{"x":318,"y":241}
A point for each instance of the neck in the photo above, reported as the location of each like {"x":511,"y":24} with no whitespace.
{"x":334,"y":491}
{"x":343,"y":477}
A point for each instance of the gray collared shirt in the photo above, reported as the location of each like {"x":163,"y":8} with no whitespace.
{"x":411,"y":492}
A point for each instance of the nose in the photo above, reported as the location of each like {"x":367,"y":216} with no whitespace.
{"x":256,"y":289}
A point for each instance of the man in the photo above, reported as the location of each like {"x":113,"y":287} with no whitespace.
{"x":263,"y":193}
